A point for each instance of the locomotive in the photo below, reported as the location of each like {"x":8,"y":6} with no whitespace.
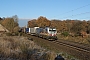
{"x":45,"y":33}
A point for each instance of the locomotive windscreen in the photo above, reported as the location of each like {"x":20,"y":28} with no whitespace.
{"x":52,"y":30}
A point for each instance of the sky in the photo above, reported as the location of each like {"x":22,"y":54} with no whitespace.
{"x":51,"y":9}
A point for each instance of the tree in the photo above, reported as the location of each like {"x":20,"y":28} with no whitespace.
{"x":79,"y":26}
{"x":9,"y":23}
{"x":43,"y":22}
{"x":32,"y":23}
{"x":88,"y":27}
{"x":15,"y":17}
{"x":1,"y":19}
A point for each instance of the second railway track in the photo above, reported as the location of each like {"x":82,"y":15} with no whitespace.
{"x":79,"y":48}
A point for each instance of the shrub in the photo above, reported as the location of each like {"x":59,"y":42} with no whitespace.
{"x":76,"y":35}
{"x":48,"y":56}
{"x":9,"y":34}
{"x":18,"y":48}
{"x":65,"y":34}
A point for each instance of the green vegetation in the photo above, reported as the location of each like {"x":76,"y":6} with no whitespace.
{"x":65,"y":34}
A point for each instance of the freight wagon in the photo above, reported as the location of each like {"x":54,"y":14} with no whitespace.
{"x":31,"y":31}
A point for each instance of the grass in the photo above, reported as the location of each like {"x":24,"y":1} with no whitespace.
{"x":77,"y":39}
{"x":14,"y":47}
{"x":22,"y":49}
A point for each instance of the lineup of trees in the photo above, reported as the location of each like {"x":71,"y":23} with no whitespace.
{"x":71,"y":26}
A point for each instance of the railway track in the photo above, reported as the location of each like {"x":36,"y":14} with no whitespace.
{"x":74,"y":46}
{"x":80,"y":51}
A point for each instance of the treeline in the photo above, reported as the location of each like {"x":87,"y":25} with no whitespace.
{"x":10,"y":23}
{"x":71,"y":26}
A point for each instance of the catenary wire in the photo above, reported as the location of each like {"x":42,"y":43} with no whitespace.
{"x":73,"y":10}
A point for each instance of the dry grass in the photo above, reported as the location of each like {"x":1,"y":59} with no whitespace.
{"x":22,"y":49}
{"x":77,"y":39}
{"x":13,"y":46}
{"x":48,"y":56}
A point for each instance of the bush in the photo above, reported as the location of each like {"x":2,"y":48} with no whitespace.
{"x":65,"y":34}
{"x":48,"y":56}
{"x":76,"y":35}
{"x":9,"y":34}
{"x":14,"y":34}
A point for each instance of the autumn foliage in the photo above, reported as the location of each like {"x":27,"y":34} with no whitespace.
{"x":71,"y":26}
{"x":41,"y":22}
{"x":10,"y":24}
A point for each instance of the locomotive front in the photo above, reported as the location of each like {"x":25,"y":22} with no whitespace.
{"x":52,"y":33}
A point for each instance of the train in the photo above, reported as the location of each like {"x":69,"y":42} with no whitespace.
{"x":47,"y":33}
